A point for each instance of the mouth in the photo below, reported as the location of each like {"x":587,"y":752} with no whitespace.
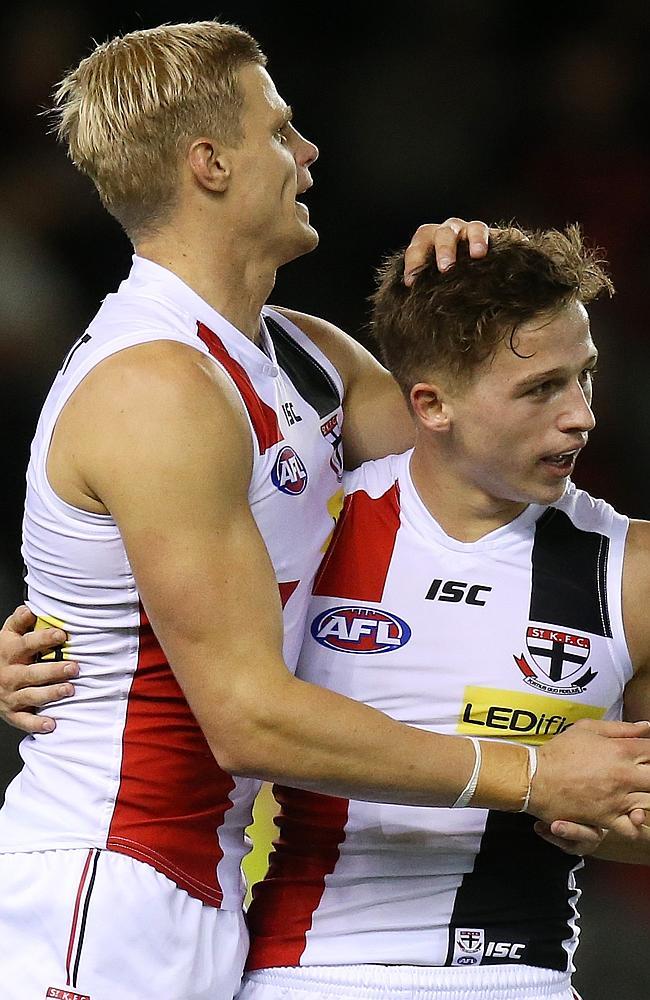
{"x":562,"y":463}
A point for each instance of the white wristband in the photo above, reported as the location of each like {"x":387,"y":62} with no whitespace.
{"x":532,"y":767}
{"x":465,"y":796}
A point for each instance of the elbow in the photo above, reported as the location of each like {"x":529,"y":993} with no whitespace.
{"x":238,"y":761}
{"x":247,"y":746}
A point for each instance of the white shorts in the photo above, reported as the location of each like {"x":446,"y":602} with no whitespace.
{"x":406,"y":982}
{"x":96,"y":925}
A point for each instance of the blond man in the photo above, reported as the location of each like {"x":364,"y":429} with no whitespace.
{"x":183,"y":482}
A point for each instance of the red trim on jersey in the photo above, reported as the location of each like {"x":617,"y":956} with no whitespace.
{"x":312,"y":829}
{"x":286,"y":590}
{"x":357,"y":561}
{"x":264,"y":419}
{"x":173,"y":795}
{"x":75,"y":915}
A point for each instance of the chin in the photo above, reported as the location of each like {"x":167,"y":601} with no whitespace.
{"x":311,"y":237}
{"x":304,"y":243}
{"x":551,"y":493}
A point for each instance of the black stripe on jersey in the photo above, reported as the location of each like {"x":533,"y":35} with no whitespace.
{"x":518,"y":893}
{"x":309,"y":377}
{"x":84,"y":918}
{"x":569,"y":584}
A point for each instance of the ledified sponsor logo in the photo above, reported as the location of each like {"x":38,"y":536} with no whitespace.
{"x":531,"y":718}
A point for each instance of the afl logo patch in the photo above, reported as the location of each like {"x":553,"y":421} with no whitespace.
{"x":360,"y":630}
{"x":289,"y":474}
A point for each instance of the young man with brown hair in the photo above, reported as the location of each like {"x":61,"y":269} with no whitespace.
{"x":469,"y":589}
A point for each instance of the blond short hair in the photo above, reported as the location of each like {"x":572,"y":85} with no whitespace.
{"x":130,"y":109}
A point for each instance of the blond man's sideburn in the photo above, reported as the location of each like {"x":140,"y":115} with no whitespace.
{"x":129,"y":110}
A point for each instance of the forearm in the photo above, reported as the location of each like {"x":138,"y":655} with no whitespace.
{"x":309,"y":737}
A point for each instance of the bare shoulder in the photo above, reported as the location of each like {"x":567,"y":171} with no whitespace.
{"x":161,"y":401}
{"x":637,"y":550}
{"x":636,"y":595}
{"x":156,"y":362}
{"x":161,"y":374}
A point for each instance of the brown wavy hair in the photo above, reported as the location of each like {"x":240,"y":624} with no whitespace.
{"x":451,"y":322}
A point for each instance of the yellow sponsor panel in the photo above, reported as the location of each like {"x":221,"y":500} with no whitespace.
{"x":334,"y":508}
{"x":517,"y":715}
{"x":262,"y":832}
{"x":61,"y":652}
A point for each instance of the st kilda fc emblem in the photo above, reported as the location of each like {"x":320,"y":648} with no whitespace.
{"x":556,"y":661}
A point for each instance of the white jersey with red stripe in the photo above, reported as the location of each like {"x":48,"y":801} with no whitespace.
{"x":514,"y":636}
{"x":127,"y":767}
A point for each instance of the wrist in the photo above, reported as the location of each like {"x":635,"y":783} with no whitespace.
{"x":505,"y":777}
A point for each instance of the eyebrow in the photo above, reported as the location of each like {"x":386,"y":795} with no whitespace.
{"x":285,"y":115}
{"x":554,"y":373}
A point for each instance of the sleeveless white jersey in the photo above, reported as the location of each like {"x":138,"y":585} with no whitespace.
{"x":515,"y":636}
{"x":127,"y":767}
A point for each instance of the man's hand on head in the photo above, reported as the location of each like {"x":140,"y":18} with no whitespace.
{"x":25,"y":684}
{"x":443,"y":238}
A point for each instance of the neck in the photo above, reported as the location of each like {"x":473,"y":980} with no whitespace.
{"x":226,"y":274}
{"x":463,"y":510}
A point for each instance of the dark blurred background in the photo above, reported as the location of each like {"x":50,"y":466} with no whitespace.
{"x":490,"y":109}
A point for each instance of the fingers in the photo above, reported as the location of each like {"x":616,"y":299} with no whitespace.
{"x":637,"y":817}
{"x":624,"y":827}
{"x":41,"y":642}
{"x":28,"y":723}
{"x":26,"y":688}
{"x":578,"y":832}
{"x":615,"y":730}
{"x":572,"y":838}
{"x":478,"y":236}
{"x":24,"y":677}
{"x":443,"y":239}
{"x":20,"y":621}
{"x":36,"y":697}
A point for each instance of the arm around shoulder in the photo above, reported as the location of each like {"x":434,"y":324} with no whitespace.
{"x":377,"y":419}
{"x":161,"y":441}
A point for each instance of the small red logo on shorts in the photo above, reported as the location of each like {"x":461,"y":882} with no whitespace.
{"x":57,"y":994}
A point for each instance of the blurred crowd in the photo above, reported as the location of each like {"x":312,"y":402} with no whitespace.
{"x":496,"y":110}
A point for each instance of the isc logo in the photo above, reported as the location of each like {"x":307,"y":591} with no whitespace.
{"x":504,"y":949}
{"x":289,"y":474}
{"x":360,"y":630}
{"x":455,"y":591}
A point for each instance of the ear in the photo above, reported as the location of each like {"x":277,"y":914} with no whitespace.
{"x":431,"y":406}
{"x":210,"y":165}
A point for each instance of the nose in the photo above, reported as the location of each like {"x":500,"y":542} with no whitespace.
{"x":578,"y":415}
{"x":306,"y":151}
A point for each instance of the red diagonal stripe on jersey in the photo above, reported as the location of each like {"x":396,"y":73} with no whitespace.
{"x":173,"y":795}
{"x":312,"y":829}
{"x":264,"y":419}
{"x":356,"y":563}
{"x":286,"y":590}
